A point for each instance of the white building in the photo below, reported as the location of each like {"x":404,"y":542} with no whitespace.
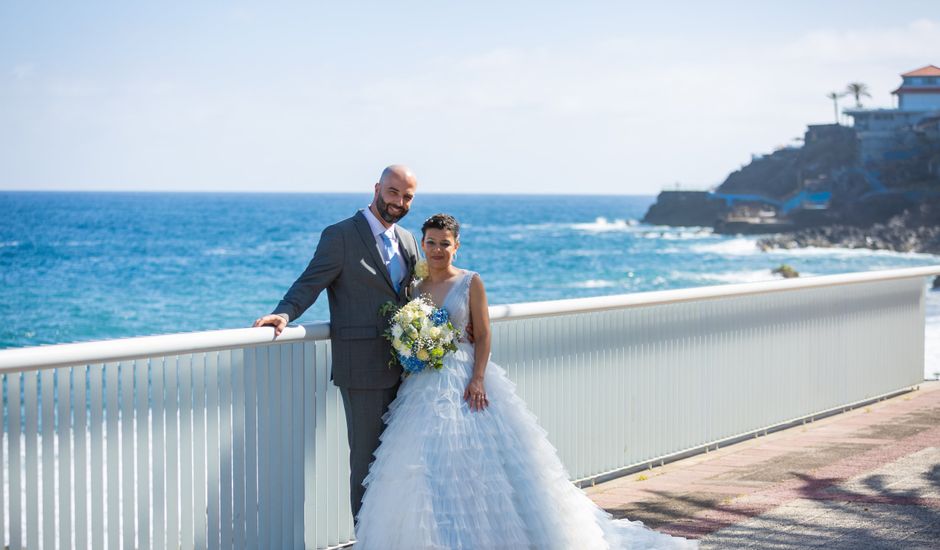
{"x":877,"y":129}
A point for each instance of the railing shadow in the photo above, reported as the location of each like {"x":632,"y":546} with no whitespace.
{"x":823,"y":513}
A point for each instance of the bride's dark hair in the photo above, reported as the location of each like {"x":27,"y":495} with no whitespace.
{"x":441,"y":221}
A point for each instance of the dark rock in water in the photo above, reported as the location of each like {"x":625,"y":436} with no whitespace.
{"x":786,"y":272}
{"x":725,"y":227}
{"x":685,"y":208}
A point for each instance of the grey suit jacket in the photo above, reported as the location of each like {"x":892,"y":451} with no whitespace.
{"x":347,"y":263}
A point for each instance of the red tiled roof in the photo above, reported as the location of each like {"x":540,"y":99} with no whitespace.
{"x":929,"y":70}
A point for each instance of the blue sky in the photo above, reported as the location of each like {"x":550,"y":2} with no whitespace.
{"x":536,"y":97}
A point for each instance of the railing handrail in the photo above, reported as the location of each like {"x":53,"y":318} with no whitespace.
{"x":124,"y":349}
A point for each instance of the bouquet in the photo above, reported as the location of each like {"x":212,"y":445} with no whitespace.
{"x":421,"y":335}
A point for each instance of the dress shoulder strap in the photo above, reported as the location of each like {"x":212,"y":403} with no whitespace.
{"x":465,"y":283}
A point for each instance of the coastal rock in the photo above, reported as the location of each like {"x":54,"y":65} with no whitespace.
{"x":884,"y":180}
{"x":685,"y":208}
{"x":786,"y":271}
{"x":908,"y":232}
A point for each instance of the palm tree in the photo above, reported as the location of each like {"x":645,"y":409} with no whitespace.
{"x":835,"y":103}
{"x":858,"y":90}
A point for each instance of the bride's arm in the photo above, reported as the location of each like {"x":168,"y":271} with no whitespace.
{"x":475,"y":393}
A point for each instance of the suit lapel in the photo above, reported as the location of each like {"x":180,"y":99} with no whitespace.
{"x":408,"y":255}
{"x":368,"y":239}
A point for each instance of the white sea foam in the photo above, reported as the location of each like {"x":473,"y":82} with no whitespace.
{"x":9,"y":244}
{"x":932,"y":351}
{"x":593,"y":283}
{"x":263,"y":249}
{"x":587,"y":253}
{"x":676,"y":235}
{"x":517,"y":227}
{"x":686,"y":235}
{"x":932,"y":335}
{"x":749,"y":276}
{"x":740,"y":246}
{"x":602,"y":224}
{"x":835,"y":252}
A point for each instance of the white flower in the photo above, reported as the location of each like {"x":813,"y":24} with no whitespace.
{"x":421,"y":269}
{"x":434,"y":332}
{"x":397,"y":331}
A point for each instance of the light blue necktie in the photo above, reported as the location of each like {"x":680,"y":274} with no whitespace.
{"x":394,"y":267}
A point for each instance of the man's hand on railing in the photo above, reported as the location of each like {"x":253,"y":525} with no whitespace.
{"x":279,"y":322}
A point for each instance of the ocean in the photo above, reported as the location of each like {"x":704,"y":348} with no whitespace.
{"x":89,"y":266}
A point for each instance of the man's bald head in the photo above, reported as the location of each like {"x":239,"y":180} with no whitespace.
{"x":398,"y":172}
{"x":393,"y":193}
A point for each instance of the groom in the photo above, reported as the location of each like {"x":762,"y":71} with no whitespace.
{"x":362,"y":262}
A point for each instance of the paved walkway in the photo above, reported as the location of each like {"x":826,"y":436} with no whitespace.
{"x":866,"y":479}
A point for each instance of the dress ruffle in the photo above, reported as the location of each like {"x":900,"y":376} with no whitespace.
{"x":446,"y":477}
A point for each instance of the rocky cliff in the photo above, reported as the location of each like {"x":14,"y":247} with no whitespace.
{"x":892,"y":201}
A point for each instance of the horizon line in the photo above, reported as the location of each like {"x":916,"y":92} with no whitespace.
{"x":253,"y":192}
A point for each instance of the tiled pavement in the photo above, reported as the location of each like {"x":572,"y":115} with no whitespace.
{"x":865,"y":479}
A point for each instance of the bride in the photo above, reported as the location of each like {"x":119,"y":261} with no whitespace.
{"x":462,"y":461}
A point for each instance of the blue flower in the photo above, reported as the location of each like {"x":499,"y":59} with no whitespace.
{"x":439,"y":316}
{"x":411,"y":364}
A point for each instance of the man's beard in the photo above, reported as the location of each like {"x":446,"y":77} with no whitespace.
{"x":382,"y":207}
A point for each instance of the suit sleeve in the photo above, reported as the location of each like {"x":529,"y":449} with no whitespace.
{"x":323,"y":269}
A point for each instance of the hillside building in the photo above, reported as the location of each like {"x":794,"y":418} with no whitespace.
{"x":879,"y":130}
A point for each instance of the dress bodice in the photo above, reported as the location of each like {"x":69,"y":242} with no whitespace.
{"x":457,"y":302}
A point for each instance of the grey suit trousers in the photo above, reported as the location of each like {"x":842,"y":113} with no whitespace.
{"x":363,"y":409}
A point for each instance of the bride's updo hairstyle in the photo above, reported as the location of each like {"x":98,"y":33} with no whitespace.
{"x":441,"y":221}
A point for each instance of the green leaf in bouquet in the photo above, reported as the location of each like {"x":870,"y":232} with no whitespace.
{"x":388,"y":308}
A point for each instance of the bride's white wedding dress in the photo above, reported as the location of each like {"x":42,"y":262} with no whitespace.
{"x":446,"y":477}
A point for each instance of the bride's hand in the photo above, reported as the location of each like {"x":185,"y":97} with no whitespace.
{"x":475,"y":395}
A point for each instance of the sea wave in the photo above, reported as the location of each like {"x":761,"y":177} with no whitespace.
{"x":677,"y":235}
{"x":587,"y":252}
{"x":593,"y":283}
{"x":740,"y":246}
{"x":262,"y":249}
{"x":746,"y":276}
{"x":602,"y":224}
{"x":10,"y":244}
{"x":813,"y":251}
{"x":932,"y":352}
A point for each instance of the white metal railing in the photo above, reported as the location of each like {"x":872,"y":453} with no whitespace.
{"x":225,"y":439}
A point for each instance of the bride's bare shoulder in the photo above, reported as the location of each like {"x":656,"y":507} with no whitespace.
{"x":477,"y":288}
